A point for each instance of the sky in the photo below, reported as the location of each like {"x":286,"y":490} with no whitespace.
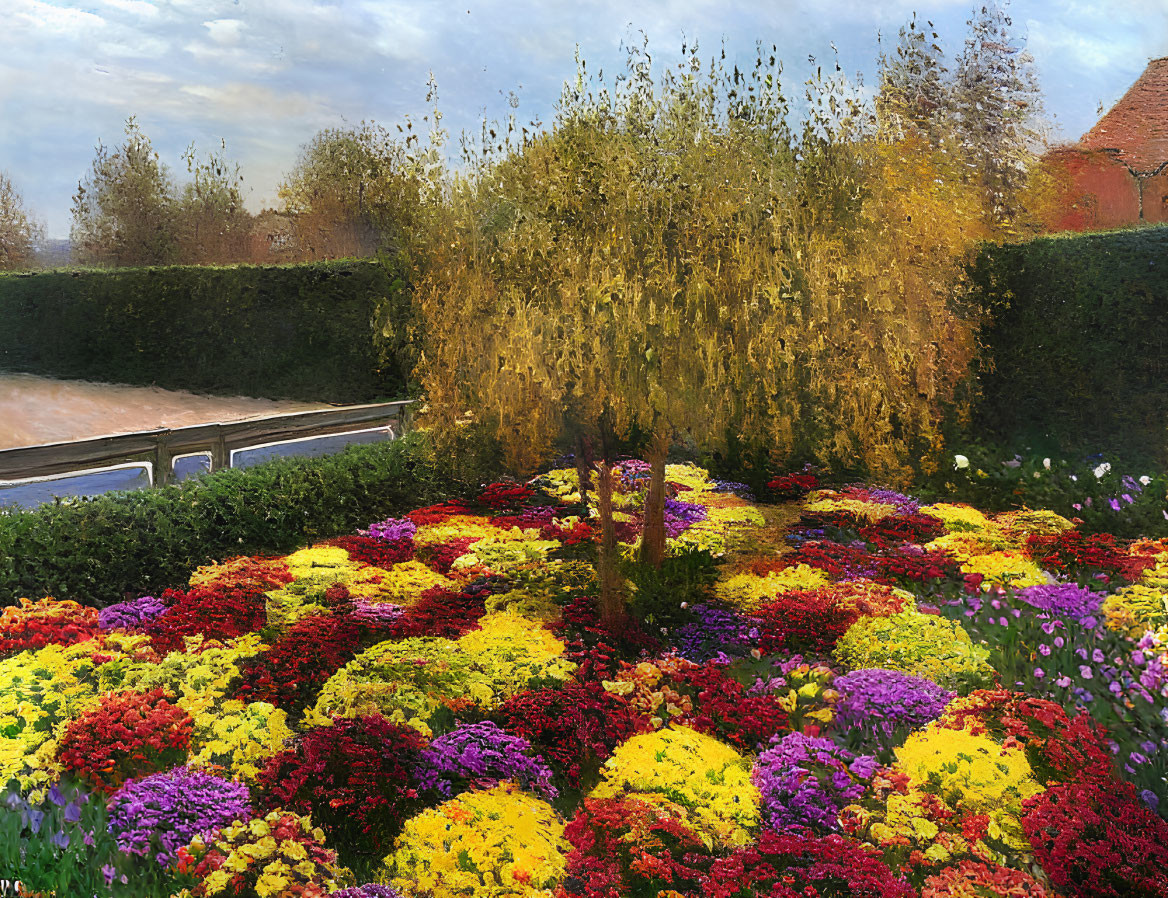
{"x":265,"y":75}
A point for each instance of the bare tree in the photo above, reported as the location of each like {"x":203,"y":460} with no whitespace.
{"x":18,"y":232}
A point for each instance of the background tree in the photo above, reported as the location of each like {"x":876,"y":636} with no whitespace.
{"x":212,"y":225}
{"x":353,"y":191}
{"x":999,"y":113}
{"x":18,"y":231}
{"x":915,"y":97}
{"x":124,"y":211}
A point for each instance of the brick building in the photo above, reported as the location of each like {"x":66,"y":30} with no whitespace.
{"x":1117,"y":174}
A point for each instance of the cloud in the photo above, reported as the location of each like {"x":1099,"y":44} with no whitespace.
{"x":265,"y":74}
{"x":225,"y":31}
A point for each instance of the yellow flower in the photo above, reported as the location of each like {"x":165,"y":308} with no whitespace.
{"x":707,"y":777}
{"x":497,"y":843}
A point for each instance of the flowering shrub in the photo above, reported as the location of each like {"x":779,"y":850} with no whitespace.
{"x":705,"y":776}
{"x":745,"y":592}
{"x":229,"y":606}
{"x":971,"y":782}
{"x":971,"y":879}
{"x":500,"y":842}
{"x":158,"y":814}
{"x":291,"y":672}
{"x":793,"y":865}
{"x":805,"y":781}
{"x":379,"y":551}
{"x":127,"y":734}
{"x":800,"y":621}
{"x":410,"y":579}
{"x":703,"y":697}
{"x":32,"y":625}
{"x":353,"y":779}
{"x":238,"y":738}
{"x":882,"y":704}
{"x":635,"y":845}
{"x":1096,"y":839}
{"x":575,"y":726}
{"x":1080,"y":556}
{"x":505,"y":495}
{"x":438,"y":612}
{"x":917,"y":644}
{"x":480,"y":755}
{"x":444,"y":658}
{"x":790,"y":486}
{"x":130,"y":615}
{"x":1057,"y":747}
{"x":277,"y":855}
{"x":199,"y":676}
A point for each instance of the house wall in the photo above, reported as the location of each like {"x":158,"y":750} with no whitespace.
{"x":1099,"y":192}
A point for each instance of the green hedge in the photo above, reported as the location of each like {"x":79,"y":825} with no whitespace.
{"x":1077,"y":341}
{"x":98,"y":551}
{"x":326,"y":331}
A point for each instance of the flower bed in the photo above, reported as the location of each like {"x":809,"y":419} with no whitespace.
{"x":906,"y":701}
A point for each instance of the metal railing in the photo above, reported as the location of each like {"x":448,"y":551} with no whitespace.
{"x":169,"y":455}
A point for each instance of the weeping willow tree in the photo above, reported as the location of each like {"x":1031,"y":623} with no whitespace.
{"x":673,"y":256}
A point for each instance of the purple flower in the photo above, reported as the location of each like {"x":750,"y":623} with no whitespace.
{"x":1114,"y":503}
{"x":1039,"y":673}
{"x":1063,"y":681}
{"x":1085,"y":672}
{"x":481,"y":754}
{"x":1062,"y":599}
{"x":375,"y":614}
{"x":391,"y":529}
{"x":880,"y":702}
{"x":714,"y":631}
{"x":128,"y":615}
{"x":159,"y":814}
{"x":806,"y":781}
{"x":680,"y":516}
{"x":1044,"y":650}
{"x":905,"y":505}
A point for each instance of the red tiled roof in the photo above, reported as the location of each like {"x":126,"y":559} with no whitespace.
{"x":1137,"y":126}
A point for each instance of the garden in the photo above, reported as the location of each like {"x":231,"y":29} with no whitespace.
{"x":821,"y":691}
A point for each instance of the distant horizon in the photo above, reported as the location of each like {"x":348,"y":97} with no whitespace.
{"x":265,"y":75}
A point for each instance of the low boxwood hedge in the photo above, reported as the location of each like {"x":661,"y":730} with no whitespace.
{"x":103,"y":549}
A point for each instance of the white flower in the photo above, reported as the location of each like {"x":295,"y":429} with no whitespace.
{"x":1037,"y":475}
{"x":1104,"y":468}
{"x":960,"y":462}
{"x":1145,"y":480}
{"x":1075,"y":477}
{"x":1046,"y":463}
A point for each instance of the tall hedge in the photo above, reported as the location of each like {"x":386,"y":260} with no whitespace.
{"x":98,"y":551}
{"x":326,"y":331}
{"x":1076,"y":340}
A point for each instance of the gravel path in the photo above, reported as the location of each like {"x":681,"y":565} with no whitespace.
{"x":42,"y":410}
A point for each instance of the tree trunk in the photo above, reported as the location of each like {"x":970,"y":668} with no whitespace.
{"x":653,"y":531}
{"x":612,"y":605}
{"x":583,"y":468}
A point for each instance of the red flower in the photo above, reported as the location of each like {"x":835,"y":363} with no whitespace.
{"x":353,"y":779}
{"x":1095,"y":839}
{"x":505,"y":495}
{"x":291,"y":672}
{"x":33,"y":625}
{"x":575,"y":727}
{"x":128,"y":734}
